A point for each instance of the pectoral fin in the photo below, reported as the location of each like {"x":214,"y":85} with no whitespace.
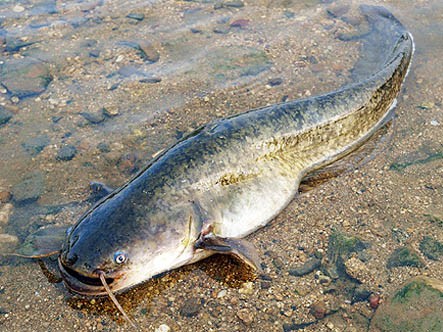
{"x":239,"y":248}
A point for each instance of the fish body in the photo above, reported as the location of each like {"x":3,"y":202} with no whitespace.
{"x":223,"y":182}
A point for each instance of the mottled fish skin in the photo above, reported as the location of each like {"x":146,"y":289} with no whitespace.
{"x":233,"y":175}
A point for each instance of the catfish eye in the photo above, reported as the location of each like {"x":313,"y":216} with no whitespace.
{"x":119,"y":257}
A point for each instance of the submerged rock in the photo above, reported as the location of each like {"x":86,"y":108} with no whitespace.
{"x":35,"y":145}
{"x":5,"y":116}
{"x":25,"y":77}
{"x":417,"y":306}
{"x":431,"y":248}
{"x":309,"y":266}
{"x":404,"y":256}
{"x":30,"y":189}
{"x":66,"y":153}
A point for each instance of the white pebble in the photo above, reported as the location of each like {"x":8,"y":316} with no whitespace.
{"x":163,"y":328}
{"x":221,"y":293}
{"x":434,"y":123}
{"x":18,"y":9}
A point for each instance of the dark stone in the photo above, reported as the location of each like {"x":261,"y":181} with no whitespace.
{"x":5,"y":116}
{"x":30,"y":189}
{"x":94,"y":118}
{"x":233,"y":4}
{"x":14,"y":43}
{"x":150,"y":80}
{"x":145,"y":48}
{"x":296,"y":327}
{"x":94,"y":53}
{"x":103,"y":147}
{"x":275,"y":81}
{"x":309,"y":266}
{"x":360,"y":295}
{"x":417,"y":306}
{"x":25,"y":77}
{"x":221,"y":30}
{"x":136,"y":16}
{"x":35,"y":145}
{"x":318,"y":310}
{"x":191,"y":307}
{"x":240,"y":23}
{"x":342,"y":245}
{"x":66,"y":153}
{"x":404,"y":256}
{"x":431,"y":248}
{"x":44,"y":7}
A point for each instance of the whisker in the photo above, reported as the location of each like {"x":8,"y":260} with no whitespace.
{"x":114,"y":299}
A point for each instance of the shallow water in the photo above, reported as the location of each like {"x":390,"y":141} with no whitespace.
{"x":92,"y":90}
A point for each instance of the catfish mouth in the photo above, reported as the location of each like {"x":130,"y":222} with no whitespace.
{"x":81,"y":284}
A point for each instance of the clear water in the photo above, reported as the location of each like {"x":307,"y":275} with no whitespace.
{"x":93,"y":89}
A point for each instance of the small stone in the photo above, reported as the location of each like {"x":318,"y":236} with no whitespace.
{"x":191,"y":307}
{"x":404,"y":256}
{"x":25,"y":77}
{"x":5,"y":213}
{"x":66,"y":153}
{"x":360,"y":295}
{"x":148,"y":51}
{"x":163,"y":328}
{"x":247,"y":288}
{"x":318,"y":310}
{"x":309,"y":266}
{"x":434,"y":123}
{"x":136,"y":16}
{"x":27,"y":306}
{"x":35,"y":145}
{"x":150,"y":80}
{"x":221,"y":294}
{"x":431,"y":248}
{"x":104,"y":147}
{"x":240,"y":23}
{"x":5,"y":116}
{"x":7,"y":242}
{"x":246,"y":316}
{"x":110,"y":111}
{"x":93,"y":118}
{"x":18,"y":9}
{"x":233,"y":4}
{"x":5,"y":196}
{"x":374,"y":300}
{"x":222,"y":30}
{"x":275,"y":81}
{"x":330,"y":325}
{"x":30,"y":189}
{"x":127,"y":163}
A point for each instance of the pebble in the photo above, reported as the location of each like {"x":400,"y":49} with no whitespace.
{"x":374,"y":300}
{"x":136,"y":16}
{"x":404,"y":256}
{"x":247,"y":288}
{"x":35,"y":145}
{"x":357,"y":269}
{"x":149,"y":52}
{"x":5,"y":213}
{"x":318,"y":310}
{"x":25,"y":77}
{"x":240,"y":23}
{"x":221,"y":294}
{"x":434,"y":123}
{"x":163,"y":328}
{"x":30,"y":189}
{"x":233,"y":4}
{"x":93,"y":118}
{"x":191,"y":307}
{"x":309,"y":266}
{"x":246,"y":316}
{"x":110,"y":111}
{"x":5,"y":116}
{"x":66,"y":153}
{"x":7,"y":241}
{"x":18,"y":9}
{"x":275,"y":81}
{"x":431,"y":248}
{"x":5,"y":196}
